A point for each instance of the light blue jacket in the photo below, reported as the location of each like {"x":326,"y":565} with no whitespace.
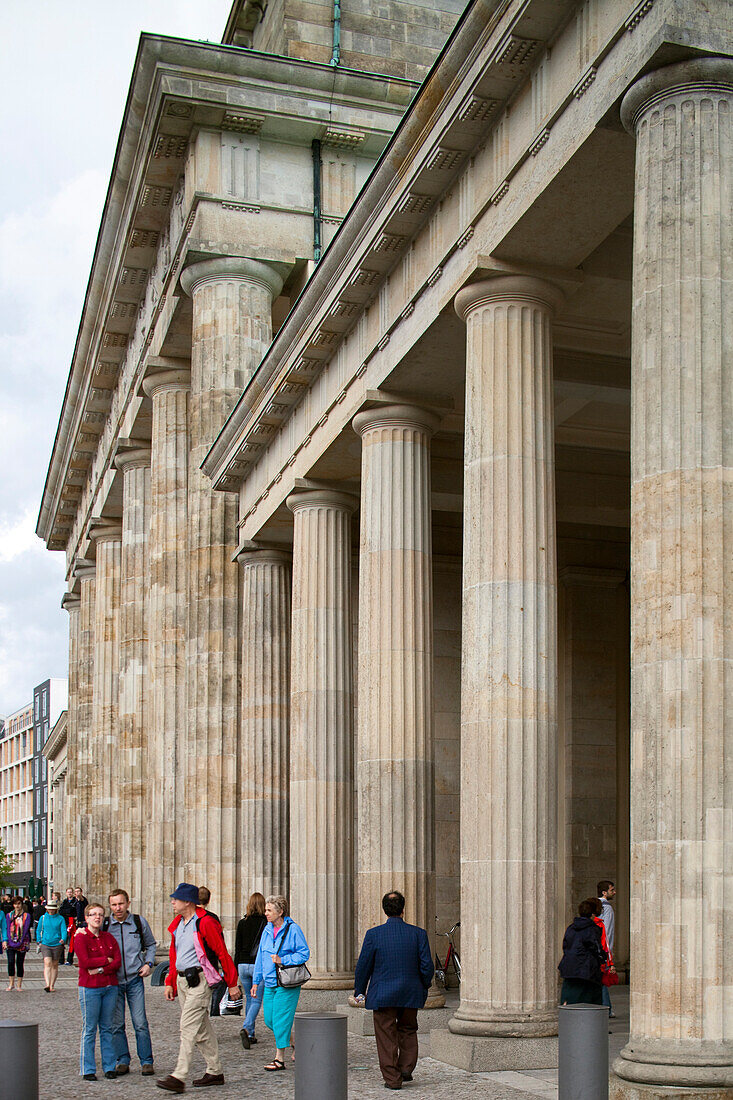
{"x":51,"y":930}
{"x":289,"y":944}
{"x":3,"y":930}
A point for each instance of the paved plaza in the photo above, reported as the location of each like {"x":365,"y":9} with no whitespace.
{"x":60,"y":1025}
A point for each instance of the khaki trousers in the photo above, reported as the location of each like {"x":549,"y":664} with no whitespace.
{"x":196,"y":1029}
{"x":395,"y":1030}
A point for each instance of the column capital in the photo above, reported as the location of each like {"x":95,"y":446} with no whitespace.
{"x":316,"y":498}
{"x":702,"y":74}
{"x":246,"y":270}
{"x":70,"y":601}
{"x":159,"y":379}
{"x":84,"y":568}
{"x":131,"y":457}
{"x":103,"y":530}
{"x":263,"y":555}
{"x":395,"y":416}
{"x":508,"y":288}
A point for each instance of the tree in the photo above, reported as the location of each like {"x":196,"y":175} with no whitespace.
{"x":6,"y":866}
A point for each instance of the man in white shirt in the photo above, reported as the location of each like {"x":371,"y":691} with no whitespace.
{"x":606,"y":893}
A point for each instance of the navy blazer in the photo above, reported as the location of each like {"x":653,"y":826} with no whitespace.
{"x":396,"y":963}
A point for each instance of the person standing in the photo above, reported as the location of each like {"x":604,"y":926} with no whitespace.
{"x":606,"y":894}
{"x":246,"y":944}
{"x":197,"y":950}
{"x":583,"y":954}
{"x":19,"y":940}
{"x":68,"y":912}
{"x":99,"y":960}
{"x":282,"y":943}
{"x":394,"y":970}
{"x":137,"y":949}
{"x":51,"y":933}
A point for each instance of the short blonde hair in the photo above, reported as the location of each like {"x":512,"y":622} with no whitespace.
{"x":94,"y":905}
{"x":279,"y":901}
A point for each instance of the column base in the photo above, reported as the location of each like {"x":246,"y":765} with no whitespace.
{"x":619,"y":1089}
{"x":486,"y":1054}
{"x":324,"y":980}
{"x":664,"y":1075}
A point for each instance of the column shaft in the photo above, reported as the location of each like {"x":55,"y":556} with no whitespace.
{"x":65,"y":864}
{"x":135,"y":783}
{"x":509,"y":669}
{"x":105,"y":760}
{"x":82,"y":778}
{"x":168,"y":620}
{"x":232,"y":327}
{"x":321,"y":733}
{"x":264,"y":754}
{"x":682,"y":581}
{"x":394,"y":745}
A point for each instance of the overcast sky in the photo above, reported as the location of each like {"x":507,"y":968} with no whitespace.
{"x":65,"y":66}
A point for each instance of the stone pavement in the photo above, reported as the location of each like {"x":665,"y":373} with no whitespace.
{"x":59,"y":1022}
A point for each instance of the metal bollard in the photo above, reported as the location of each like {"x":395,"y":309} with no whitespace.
{"x":19,"y":1059}
{"x":583,"y":1052}
{"x":320,"y":1061}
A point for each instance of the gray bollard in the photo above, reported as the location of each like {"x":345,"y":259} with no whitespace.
{"x":583,"y":1052}
{"x":320,"y":1059}
{"x":19,"y":1059}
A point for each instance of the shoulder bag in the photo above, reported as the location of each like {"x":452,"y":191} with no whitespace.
{"x":291,"y":977}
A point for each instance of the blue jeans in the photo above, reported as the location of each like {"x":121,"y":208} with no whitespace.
{"x":253,"y":1004}
{"x":97,"y":1010}
{"x":607,"y":999}
{"x":134,"y":992}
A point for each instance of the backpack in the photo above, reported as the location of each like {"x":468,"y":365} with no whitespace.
{"x":138,"y":927}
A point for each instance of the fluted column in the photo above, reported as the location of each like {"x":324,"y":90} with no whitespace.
{"x":682,"y":584}
{"x":167,"y":624}
{"x":509,"y":665}
{"x":394,"y":743}
{"x":264,"y":752}
{"x":81,"y":778}
{"x":105,"y":757}
{"x":232,"y":328}
{"x":321,"y":733}
{"x":135,"y":783}
{"x":69,"y":806}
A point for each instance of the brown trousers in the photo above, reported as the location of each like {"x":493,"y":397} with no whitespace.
{"x":395,"y":1030}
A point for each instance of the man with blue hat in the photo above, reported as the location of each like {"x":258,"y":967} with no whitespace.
{"x":198,"y":957}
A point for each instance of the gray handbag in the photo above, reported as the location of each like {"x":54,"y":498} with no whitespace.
{"x":290,"y":977}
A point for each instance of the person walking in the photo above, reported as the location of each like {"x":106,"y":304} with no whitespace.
{"x":197,"y":951}
{"x":582,"y":957}
{"x":51,"y":934}
{"x":137,"y":949}
{"x":67,"y":910}
{"x":282,"y":943}
{"x":394,"y":970}
{"x":606,"y":894}
{"x":18,"y":941}
{"x":99,"y":960}
{"x":246,"y":943}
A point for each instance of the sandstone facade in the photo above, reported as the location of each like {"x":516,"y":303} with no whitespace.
{"x":423,"y":440}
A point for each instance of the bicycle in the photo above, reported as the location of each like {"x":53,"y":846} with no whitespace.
{"x":452,"y":956}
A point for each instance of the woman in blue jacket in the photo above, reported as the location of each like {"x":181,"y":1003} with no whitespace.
{"x":282,"y":942}
{"x":51,"y":933}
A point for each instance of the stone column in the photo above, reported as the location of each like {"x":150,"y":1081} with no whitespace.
{"x":682,"y":584}
{"x":232,"y":328}
{"x":321,"y":733}
{"x":105,"y":756}
{"x":167,"y":623}
{"x":135,"y":783}
{"x":69,"y":809}
{"x":394,"y":744}
{"x":80,"y":778}
{"x":264,"y":752}
{"x":509,"y":677}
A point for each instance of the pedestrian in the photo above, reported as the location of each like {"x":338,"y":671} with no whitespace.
{"x":247,"y":941}
{"x":37,"y":912}
{"x":197,"y":951}
{"x":51,"y":934}
{"x":606,"y":894}
{"x":3,"y":931}
{"x":583,"y":954}
{"x":204,"y":901}
{"x":6,"y":904}
{"x":68,"y":912}
{"x":19,"y":940}
{"x":282,"y":943}
{"x":394,"y":970}
{"x":81,"y":904}
{"x":137,"y":949}
{"x":99,"y":960}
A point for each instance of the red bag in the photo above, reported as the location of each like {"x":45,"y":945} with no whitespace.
{"x":609,"y":977}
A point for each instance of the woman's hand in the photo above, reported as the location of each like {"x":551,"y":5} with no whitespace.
{"x":276,"y":959}
{"x":253,"y":991}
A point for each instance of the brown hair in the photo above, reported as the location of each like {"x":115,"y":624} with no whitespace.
{"x":204,"y":896}
{"x":256,"y":905}
{"x":591,"y":907}
{"x":119,"y":894}
{"x":603,"y":885}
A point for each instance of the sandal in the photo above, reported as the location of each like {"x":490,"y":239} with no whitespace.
{"x":275,"y":1065}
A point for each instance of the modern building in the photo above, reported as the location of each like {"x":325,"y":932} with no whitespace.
{"x":55,"y":756}
{"x":49,"y":699}
{"x":394,"y":481}
{"x":16,"y":794}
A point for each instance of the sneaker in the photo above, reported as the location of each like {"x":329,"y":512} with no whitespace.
{"x":122,"y":1069}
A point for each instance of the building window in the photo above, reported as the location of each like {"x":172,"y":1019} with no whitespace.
{"x":45,"y":800}
{"x":45,"y":864}
{"x":35,"y":834}
{"x":44,"y":768}
{"x":43,"y":832}
{"x":36,"y":773}
{"x":36,"y":702}
{"x":44,"y":704}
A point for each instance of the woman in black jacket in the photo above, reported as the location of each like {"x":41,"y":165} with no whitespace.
{"x":246,"y":943}
{"x":580,"y":965}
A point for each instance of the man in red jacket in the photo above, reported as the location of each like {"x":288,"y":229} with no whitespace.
{"x":197,"y":953}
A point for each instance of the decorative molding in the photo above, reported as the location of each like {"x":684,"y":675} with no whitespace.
{"x":177,"y":109}
{"x":638,"y":14}
{"x":445,"y":160}
{"x":539,"y":141}
{"x":390,"y":242}
{"x":515,"y":52}
{"x":144,"y":238}
{"x":134,"y":276}
{"x":156,"y":196}
{"x":585,"y":82}
{"x":478,"y":109}
{"x":499,"y":193}
{"x":245,"y":207}
{"x":416,"y":204}
{"x":249,"y":123}
{"x":342,"y":137}
{"x":465,"y":237}
{"x":434,"y":276}
{"x":170,"y":146}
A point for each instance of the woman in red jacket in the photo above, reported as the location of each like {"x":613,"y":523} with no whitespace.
{"x":99,"y":960}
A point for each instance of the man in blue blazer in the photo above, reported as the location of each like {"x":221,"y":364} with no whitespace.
{"x":397,"y":966}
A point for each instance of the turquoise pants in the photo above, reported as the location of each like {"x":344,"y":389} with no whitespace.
{"x":278,"y":1008}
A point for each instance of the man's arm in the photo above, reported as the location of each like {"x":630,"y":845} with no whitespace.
{"x":365,"y":964}
{"x":426,"y":959}
{"x":210,"y":930}
{"x":149,"y":943}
